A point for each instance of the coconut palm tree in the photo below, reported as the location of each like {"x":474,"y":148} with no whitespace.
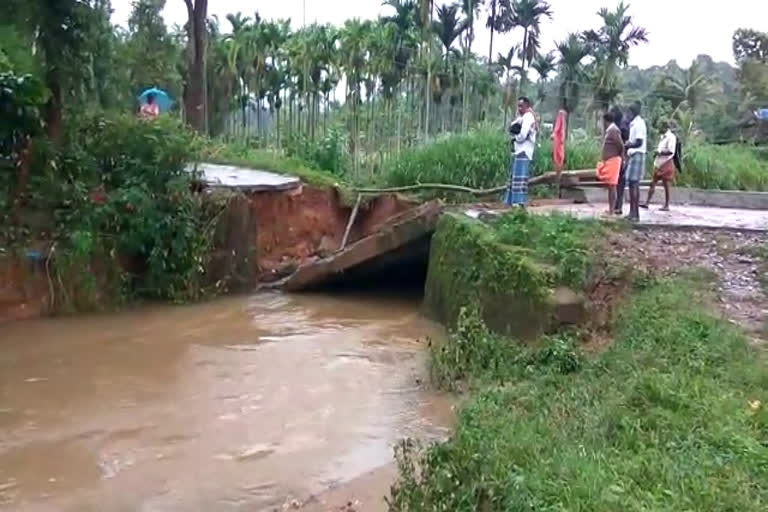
{"x":610,"y":45}
{"x":690,"y":90}
{"x":528,"y":14}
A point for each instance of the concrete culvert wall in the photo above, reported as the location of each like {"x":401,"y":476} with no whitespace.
{"x":516,"y":295}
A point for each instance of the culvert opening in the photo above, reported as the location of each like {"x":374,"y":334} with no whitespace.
{"x":399,"y":272}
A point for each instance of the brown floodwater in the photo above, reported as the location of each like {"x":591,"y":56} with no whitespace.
{"x":238,"y":404}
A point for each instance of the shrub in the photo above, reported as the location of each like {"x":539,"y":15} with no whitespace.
{"x":122,"y":199}
{"x":326,"y":153}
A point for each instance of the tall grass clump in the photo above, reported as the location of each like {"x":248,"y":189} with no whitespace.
{"x":478,"y":159}
{"x":727,"y":167}
{"x":672,"y":417}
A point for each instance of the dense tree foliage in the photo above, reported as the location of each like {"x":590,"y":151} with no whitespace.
{"x":361,"y":92}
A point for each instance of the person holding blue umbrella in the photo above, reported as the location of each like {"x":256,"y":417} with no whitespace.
{"x":153,"y":101}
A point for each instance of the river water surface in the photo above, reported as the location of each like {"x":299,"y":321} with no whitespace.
{"x":238,"y":404}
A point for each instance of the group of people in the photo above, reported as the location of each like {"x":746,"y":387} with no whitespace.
{"x":623,"y":159}
{"x":622,"y":163}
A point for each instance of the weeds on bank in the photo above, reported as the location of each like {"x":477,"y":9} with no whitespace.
{"x":560,"y":240}
{"x":672,"y":417}
{"x":473,"y":352}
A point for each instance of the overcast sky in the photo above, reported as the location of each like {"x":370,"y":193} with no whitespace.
{"x":679,"y":29}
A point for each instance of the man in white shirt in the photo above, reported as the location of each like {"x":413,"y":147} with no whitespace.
{"x":664,"y":164}
{"x":636,"y":149}
{"x":523,"y":130}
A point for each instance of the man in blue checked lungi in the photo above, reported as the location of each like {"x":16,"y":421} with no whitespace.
{"x":523,"y":130}
{"x":636,"y":149}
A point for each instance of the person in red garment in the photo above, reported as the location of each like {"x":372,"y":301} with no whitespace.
{"x":558,"y":143}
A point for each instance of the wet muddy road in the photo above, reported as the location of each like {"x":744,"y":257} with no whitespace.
{"x":239,"y":404}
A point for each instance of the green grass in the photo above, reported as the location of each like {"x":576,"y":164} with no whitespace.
{"x":244,"y":156}
{"x":478,"y":159}
{"x":673,"y":417}
{"x":560,"y":240}
{"x":728,"y":167}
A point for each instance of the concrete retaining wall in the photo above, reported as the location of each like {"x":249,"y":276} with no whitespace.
{"x":695,"y":197}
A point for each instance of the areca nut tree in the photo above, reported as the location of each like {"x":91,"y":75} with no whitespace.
{"x":570,"y":68}
{"x":610,"y":45}
{"x":528,"y":14}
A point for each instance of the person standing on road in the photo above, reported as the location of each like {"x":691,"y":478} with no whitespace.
{"x":622,"y":121}
{"x":559,"y":134}
{"x":636,"y":149}
{"x":664,"y":165}
{"x":523,"y":130}
{"x":612,"y":155}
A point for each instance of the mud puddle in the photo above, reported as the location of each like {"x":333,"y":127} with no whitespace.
{"x":240,"y":404}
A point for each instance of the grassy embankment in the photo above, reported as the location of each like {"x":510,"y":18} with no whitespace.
{"x":671,"y":417}
{"x":480,"y":159}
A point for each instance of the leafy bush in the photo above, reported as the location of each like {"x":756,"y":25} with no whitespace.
{"x":473,"y":353}
{"x":122,"y":199}
{"x":325,"y":153}
{"x":20,"y":99}
{"x":672,"y":417}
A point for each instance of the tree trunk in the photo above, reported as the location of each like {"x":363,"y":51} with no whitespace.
{"x":525,"y":56}
{"x":493,"y":25}
{"x":54,"y":107}
{"x":197,"y":85}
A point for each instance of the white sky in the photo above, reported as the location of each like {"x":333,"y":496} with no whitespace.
{"x":679,"y":29}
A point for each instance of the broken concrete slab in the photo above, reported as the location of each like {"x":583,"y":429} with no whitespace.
{"x":242,"y":178}
{"x":397,"y":232}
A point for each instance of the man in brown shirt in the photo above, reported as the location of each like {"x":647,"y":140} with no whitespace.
{"x":612,"y":154}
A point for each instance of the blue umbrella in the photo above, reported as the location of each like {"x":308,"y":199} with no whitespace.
{"x":164,"y":102}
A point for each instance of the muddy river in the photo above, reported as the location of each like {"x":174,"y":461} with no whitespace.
{"x":238,"y":404}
